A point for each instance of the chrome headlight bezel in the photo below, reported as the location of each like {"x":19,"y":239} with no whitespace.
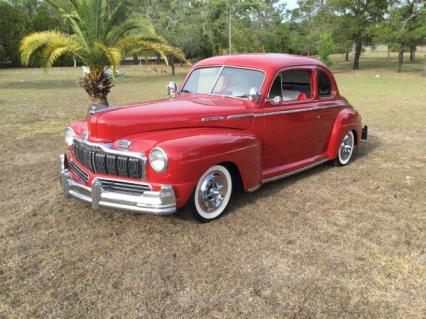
{"x":157,"y":155}
{"x":69,"y":136}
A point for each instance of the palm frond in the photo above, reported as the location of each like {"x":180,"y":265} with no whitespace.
{"x":133,"y":44}
{"x":38,"y":40}
{"x":113,"y":55}
{"x":52,"y":54}
{"x":138,"y":26}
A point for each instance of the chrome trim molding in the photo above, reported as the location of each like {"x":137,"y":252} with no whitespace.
{"x":299,"y":170}
{"x":212,"y":118}
{"x":162,"y":202}
{"x":107,"y":148}
{"x":240,"y":116}
{"x":266,"y":114}
{"x":308,"y":109}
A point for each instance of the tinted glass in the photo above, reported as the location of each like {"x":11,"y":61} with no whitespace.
{"x":324,"y":85}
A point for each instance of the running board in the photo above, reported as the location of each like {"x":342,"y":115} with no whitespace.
{"x":296,"y":171}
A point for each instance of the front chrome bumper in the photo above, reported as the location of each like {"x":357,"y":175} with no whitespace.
{"x":161,"y":202}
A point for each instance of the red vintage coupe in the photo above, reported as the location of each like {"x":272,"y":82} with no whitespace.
{"x":241,"y":120}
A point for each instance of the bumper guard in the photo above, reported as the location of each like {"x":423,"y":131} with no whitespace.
{"x":161,"y":202}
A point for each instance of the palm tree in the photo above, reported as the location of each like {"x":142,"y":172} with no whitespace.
{"x":100,"y":37}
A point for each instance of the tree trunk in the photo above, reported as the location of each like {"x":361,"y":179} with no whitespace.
{"x":172,"y":64}
{"x":400,"y":58}
{"x":347,"y":55}
{"x":135,"y":59}
{"x":358,"y":48}
{"x":424,"y":67}
{"x":413,"y":54}
{"x":100,"y":101}
{"x":389,"y":52}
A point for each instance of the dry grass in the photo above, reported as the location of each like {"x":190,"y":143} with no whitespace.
{"x":331,"y":242}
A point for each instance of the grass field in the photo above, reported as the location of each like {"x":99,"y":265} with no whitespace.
{"x":330,"y":242}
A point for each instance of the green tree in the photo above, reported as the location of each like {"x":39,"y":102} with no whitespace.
{"x":100,"y":36}
{"x":12,"y":29}
{"x":404,"y":28}
{"x":325,"y":47}
{"x":361,"y":18}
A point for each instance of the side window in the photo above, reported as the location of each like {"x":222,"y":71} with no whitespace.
{"x":324,"y":85}
{"x":296,"y":85}
{"x":276,"y":88}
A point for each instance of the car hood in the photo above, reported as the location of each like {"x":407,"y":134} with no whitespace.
{"x":181,"y":112}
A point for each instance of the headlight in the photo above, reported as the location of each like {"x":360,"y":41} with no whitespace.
{"x":69,"y":136}
{"x":158,"y":160}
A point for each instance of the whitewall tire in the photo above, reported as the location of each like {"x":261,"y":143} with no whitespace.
{"x":346,"y":149}
{"x":212,"y":194}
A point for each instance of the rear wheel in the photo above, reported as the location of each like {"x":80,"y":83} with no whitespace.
{"x":346,"y":149}
{"x":212,"y":194}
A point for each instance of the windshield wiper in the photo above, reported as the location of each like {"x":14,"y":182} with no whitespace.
{"x":185,"y":91}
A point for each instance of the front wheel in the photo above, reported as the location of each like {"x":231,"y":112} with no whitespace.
{"x":346,"y":149}
{"x":212,"y":194}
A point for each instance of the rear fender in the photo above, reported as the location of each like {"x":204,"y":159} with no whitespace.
{"x":347,"y":120}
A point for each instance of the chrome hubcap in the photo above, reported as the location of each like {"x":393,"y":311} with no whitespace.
{"x":212,"y":191}
{"x":346,"y":147}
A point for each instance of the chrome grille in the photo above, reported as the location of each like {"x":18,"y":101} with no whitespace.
{"x":124,"y":187}
{"x":79,"y":172}
{"x":98,"y":161}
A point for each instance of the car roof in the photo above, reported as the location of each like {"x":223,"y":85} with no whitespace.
{"x":263,"y":61}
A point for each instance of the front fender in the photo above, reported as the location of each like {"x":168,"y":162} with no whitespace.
{"x":192,"y":151}
{"x":347,"y":120}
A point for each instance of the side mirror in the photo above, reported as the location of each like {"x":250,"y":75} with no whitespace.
{"x":172,"y":89}
{"x":254,"y":95}
{"x":276,"y":100}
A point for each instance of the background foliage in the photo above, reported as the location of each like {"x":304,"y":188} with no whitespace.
{"x":202,"y":28}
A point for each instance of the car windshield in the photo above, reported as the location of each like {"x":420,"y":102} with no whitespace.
{"x":226,"y":81}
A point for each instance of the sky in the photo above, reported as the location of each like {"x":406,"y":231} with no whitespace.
{"x":291,"y":4}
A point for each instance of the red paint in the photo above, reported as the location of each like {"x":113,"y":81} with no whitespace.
{"x":259,"y":146}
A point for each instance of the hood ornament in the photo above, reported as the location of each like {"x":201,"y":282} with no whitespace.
{"x":124,"y":143}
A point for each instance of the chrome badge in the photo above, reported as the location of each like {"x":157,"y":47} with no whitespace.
{"x":124,"y":143}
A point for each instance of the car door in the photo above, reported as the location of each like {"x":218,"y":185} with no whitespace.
{"x":291,"y":127}
{"x":328,"y":106}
